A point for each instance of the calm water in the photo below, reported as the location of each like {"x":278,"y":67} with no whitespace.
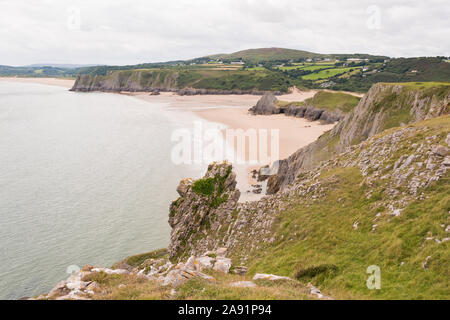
{"x":84,"y":178}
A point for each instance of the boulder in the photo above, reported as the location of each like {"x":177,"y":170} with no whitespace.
{"x":205,"y":262}
{"x":183,"y":187}
{"x":266,"y":105}
{"x":177,"y":277}
{"x":222,"y":265}
{"x":441,"y":151}
{"x":240,"y":270}
{"x":59,"y":290}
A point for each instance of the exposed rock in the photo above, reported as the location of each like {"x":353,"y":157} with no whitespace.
{"x":316,"y":292}
{"x":59,"y":290}
{"x":241,"y":270}
{"x":184,"y":186}
{"x":93,"y":287}
{"x":441,"y":151}
{"x":154,"y":82}
{"x":446,"y":161}
{"x":425,"y":263}
{"x":271,"y":277}
{"x":366,"y":120}
{"x":222,"y":265}
{"x":177,"y":277}
{"x":196,"y":212}
{"x":205,"y":262}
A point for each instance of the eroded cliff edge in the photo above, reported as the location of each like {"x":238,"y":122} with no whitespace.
{"x":383,"y":107}
{"x":155,"y":81}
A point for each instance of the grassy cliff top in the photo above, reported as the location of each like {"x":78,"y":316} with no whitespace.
{"x":329,"y":101}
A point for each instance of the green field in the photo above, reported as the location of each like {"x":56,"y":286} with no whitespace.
{"x":328,"y":73}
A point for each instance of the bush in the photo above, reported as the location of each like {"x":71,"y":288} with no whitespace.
{"x":311,"y":272}
{"x":204,"y":186}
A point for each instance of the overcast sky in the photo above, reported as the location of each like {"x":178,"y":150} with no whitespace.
{"x":136,"y":31}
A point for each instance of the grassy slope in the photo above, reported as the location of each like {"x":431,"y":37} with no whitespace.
{"x":312,"y":234}
{"x":136,"y":288}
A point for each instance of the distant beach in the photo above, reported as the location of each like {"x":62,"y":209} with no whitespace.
{"x":60,"y":82}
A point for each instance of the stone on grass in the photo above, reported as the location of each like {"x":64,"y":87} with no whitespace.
{"x":222,"y":265}
{"x":271,"y":277}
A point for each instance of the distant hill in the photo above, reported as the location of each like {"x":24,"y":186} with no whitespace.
{"x":269,"y":54}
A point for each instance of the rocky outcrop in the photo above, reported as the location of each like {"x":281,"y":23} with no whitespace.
{"x":312,"y":113}
{"x":129,"y":81}
{"x":383,"y":107}
{"x":205,"y":206}
{"x":266,"y":105}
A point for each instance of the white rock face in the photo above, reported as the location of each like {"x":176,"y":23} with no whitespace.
{"x":206,"y":262}
{"x":271,"y":277}
{"x":222,"y":265}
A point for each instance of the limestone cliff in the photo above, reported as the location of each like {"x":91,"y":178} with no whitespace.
{"x":163,"y":80}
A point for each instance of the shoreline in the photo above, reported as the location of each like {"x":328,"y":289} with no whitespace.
{"x":59,"y":82}
{"x":231,"y":111}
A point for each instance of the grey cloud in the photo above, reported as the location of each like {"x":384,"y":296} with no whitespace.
{"x":134,"y":31}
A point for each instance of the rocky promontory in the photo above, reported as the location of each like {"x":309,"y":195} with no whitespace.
{"x":269,"y":104}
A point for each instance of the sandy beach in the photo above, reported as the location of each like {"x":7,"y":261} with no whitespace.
{"x":232,"y":110}
{"x":66,"y":83}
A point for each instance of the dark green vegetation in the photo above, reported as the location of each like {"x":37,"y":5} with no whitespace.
{"x":266,"y":69}
{"x":397,"y":70}
{"x":213,"y":189}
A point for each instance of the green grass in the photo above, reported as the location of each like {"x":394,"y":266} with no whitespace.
{"x":334,"y":100}
{"x":328,"y":100}
{"x":316,"y":241}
